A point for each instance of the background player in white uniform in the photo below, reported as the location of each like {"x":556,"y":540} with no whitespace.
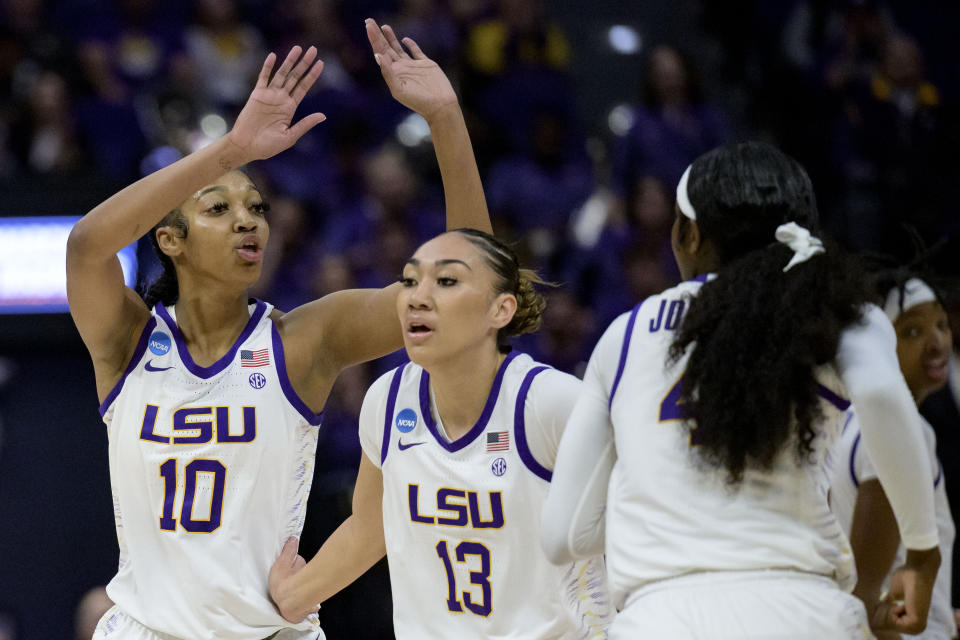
{"x":211,"y":400}
{"x":458,"y":448}
{"x":923,"y":350}
{"x":717,"y":524}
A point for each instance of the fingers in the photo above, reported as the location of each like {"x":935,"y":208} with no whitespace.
{"x":305,"y":124}
{"x":289,"y":551}
{"x":414,"y":49}
{"x":281,"y":76}
{"x":300,"y":69}
{"x":307,"y":81}
{"x":394,"y":42}
{"x":264,"y":78}
{"x":378,"y":43}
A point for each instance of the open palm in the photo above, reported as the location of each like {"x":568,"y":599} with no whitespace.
{"x":415,"y":81}
{"x":263,"y":128}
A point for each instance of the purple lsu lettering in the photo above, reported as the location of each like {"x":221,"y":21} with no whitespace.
{"x":188,"y":429}
{"x":457,"y":508}
{"x":669,"y":322}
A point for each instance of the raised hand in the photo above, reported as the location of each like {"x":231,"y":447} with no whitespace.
{"x":415,"y":81}
{"x":263,"y":128}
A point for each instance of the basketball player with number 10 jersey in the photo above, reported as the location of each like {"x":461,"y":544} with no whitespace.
{"x":195,"y":452}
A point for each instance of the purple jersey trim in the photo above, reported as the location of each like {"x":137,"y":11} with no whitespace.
{"x":391,"y":405}
{"x":222,"y":363}
{"x":853,"y":456}
{"x":840,"y":403}
{"x":481,"y":424}
{"x":936,"y":481}
{"x":134,"y":361}
{"x":700,"y":278}
{"x":520,"y":428}
{"x":623,"y":352}
{"x":280,"y":363}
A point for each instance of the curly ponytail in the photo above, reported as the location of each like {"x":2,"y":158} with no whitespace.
{"x":756,"y":333}
{"x":165,"y":288}
{"x":511,"y":279}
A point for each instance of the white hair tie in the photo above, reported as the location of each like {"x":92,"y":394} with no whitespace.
{"x":915,"y":291}
{"x":804,"y":245}
{"x":683,"y":200}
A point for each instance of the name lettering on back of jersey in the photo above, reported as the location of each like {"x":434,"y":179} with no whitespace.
{"x":199,"y":425}
{"x":668,"y":316}
{"x":457,"y":508}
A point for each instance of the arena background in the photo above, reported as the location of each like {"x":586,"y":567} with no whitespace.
{"x":583,"y":116}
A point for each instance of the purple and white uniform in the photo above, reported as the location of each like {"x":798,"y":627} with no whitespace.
{"x":210,"y":469}
{"x":689,"y":556}
{"x":461,"y":519}
{"x":850,"y":467}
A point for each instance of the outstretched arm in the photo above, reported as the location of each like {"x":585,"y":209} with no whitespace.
{"x":107,"y":314}
{"x":354,"y":326}
{"x":418,"y":83}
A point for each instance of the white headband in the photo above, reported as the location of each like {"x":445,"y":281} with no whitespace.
{"x":915,"y":291}
{"x":683,"y":200}
{"x":804,"y":245}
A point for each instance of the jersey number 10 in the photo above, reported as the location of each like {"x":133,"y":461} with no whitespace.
{"x":191,"y":472}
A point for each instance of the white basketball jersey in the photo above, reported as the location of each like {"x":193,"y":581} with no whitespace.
{"x":850,"y":466}
{"x":210,"y":469}
{"x":668,"y":514}
{"x":462,"y":519}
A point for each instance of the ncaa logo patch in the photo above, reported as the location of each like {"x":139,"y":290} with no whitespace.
{"x":499,"y":467}
{"x":406,"y":420}
{"x":258,"y":380}
{"x":159,"y":343}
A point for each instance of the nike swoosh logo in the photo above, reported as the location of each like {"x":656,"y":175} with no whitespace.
{"x":404,"y":447}
{"x":150,"y":367}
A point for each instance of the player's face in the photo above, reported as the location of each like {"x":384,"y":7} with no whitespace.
{"x":228,"y":231}
{"x":923,"y":347}
{"x":447,"y":305}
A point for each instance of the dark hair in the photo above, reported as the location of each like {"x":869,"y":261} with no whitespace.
{"x":887,"y":273}
{"x":756,"y":333}
{"x":165,"y":288}
{"x":511,"y":278}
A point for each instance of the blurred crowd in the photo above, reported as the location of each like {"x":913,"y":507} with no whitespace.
{"x":864,"y":93}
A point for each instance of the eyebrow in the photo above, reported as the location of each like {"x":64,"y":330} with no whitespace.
{"x":416,"y":263}
{"x":217,"y":187}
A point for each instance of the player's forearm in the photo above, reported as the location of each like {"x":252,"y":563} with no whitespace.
{"x":890,"y":425}
{"x":345,"y":556}
{"x":463,"y":192}
{"x":130,"y":213}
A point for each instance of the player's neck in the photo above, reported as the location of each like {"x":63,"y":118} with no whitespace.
{"x":461,"y":388}
{"x":210,"y":324}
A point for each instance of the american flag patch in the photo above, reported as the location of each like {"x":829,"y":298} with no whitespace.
{"x":498,"y":441}
{"x":257,"y":358}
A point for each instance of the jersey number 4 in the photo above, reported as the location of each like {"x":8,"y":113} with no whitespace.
{"x":480,"y":578}
{"x":672,"y":409}
{"x":191,"y":474}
